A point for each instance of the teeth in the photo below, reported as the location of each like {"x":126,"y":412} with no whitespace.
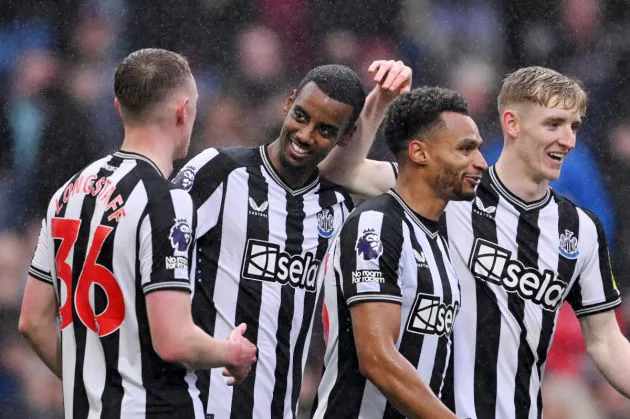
{"x":557,"y":155}
{"x":299,"y":149}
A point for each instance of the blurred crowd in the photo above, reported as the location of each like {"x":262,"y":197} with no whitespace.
{"x":57,"y":61}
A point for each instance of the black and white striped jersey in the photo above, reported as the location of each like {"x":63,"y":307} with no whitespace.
{"x":260,"y":244}
{"x":517,"y":262}
{"x":386,"y":252}
{"x":114,"y":232}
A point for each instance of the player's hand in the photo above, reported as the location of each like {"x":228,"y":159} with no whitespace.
{"x":242,"y":357}
{"x":391,"y":77}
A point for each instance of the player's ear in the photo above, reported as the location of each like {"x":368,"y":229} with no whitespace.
{"x":290,"y":100}
{"x":417,"y":152}
{"x":180,"y":111}
{"x":510,"y":122}
{"x":346,"y":137}
{"x":117,"y":105}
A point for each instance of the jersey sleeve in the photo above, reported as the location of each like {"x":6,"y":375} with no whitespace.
{"x":595,"y":289}
{"x":203,"y":177}
{"x":166,"y":242}
{"x":40,"y":267}
{"x":369,"y":254}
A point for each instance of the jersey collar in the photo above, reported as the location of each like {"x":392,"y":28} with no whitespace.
{"x":513,"y":199}
{"x":429,"y":227}
{"x":136,"y":156}
{"x":310,"y":184}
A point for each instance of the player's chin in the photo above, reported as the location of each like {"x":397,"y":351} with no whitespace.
{"x":465,"y":194}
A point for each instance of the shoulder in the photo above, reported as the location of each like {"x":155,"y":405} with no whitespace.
{"x":212,"y":166}
{"x":590,"y":223}
{"x":380,"y":207}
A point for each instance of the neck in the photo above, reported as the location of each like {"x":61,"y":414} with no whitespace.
{"x":151,"y":142}
{"x":420,"y":195}
{"x":516,"y":176}
{"x":293,"y":177}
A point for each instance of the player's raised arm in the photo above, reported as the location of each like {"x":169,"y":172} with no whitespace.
{"x":347,"y":164}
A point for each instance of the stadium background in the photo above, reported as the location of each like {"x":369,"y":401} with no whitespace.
{"x":57,"y":61}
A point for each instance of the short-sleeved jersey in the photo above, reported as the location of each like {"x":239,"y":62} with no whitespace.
{"x":386,"y":253}
{"x":113,"y":233}
{"x":260,"y":245}
{"x":517,"y":262}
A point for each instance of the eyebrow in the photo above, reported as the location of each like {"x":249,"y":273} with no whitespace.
{"x":469,"y":140}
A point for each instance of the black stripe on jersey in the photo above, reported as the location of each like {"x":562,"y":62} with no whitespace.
{"x":249,"y":296}
{"x":411,"y":343}
{"x":112,"y":395}
{"x":568,"y":219}
{"x":165,"y":383}
{"x":327,"y":198}
{"x":527,"y":236}
{"x":488,"y":313}
{"x":293,"y":246}
{"x":441,"y":354}
{"x":80,"y":401}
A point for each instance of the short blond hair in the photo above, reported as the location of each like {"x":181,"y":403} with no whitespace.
{"x":542,"y":86}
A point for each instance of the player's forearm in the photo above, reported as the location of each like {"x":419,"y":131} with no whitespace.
{"x":195,"y":349}
{"x":44,"y":338}
{"x":341,"y":163}
{"x":612,"y":357}
{"x":396,"y":378}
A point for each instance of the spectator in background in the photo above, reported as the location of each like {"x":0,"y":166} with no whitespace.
{"x":25,"y":116}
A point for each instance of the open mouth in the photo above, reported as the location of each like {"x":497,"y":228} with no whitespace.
{"x":298,"y":150}
{"x":473,"y":180}
{"x":557,"y":156}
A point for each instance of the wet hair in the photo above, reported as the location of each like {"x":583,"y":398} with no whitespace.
{"x":340,"y":83}
{"x":416,"y":113}
{"x":146,"y":77}
{"x":542,"y":86}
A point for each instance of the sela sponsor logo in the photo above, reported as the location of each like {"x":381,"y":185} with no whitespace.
{"x":326,"y":223}
{"x":569,"y":245}
{"x":492,"y":263}
{"x":369,"y":245}
{"x":181,"y":235}
{"x":186,"y":178}
{"x":259,"y":210}
{"x":367,"y":275}
{"x":481,"y":209}
{"x":430,"y":316}
{"x":263,"y":261}
{"x":421,"y":259}
{"x":176,"y":262}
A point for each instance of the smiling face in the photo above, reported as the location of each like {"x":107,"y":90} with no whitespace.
{"x":545,"y":138}
{"x":456,"y":162}
{"x":314,"y":124}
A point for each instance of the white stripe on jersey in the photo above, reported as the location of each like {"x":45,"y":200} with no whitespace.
{"x":225,"y":289}
{"x":123,"y":261}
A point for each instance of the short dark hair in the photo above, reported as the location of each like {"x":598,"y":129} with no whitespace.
{"x":414,"y":113}
{"x":340,"y":83}
{"x":145,"y":77}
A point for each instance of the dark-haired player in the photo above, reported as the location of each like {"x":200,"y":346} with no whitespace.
{"x":265,"y":222}
{"x":392,"y":295}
